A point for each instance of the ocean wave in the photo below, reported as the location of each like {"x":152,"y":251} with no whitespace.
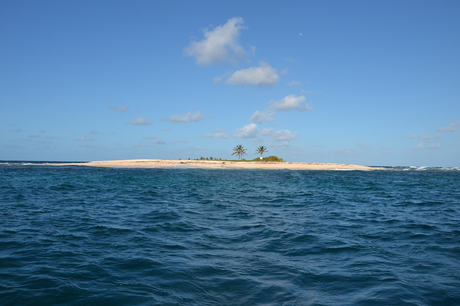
{"x":419,"y":168}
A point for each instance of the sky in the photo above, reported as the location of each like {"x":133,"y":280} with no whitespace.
{"x":360,"y":82}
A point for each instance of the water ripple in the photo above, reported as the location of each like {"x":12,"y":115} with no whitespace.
{"x":72,"y":235}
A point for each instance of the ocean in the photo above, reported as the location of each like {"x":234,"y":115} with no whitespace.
{"x":73,"y":235}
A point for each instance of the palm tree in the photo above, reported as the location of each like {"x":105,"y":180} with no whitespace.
{"x":239,"y":150}
{"x":261,"y":150}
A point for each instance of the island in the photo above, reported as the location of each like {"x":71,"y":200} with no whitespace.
{"x":220,"y":164}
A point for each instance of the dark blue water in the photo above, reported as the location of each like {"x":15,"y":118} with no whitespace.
{"x":101,"y":236}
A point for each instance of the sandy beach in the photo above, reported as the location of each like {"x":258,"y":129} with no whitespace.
{"x":162,"y":163}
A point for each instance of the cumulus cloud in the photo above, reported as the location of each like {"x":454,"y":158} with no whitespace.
{"x":264,"y":75}
{"x":193,"y":117}
{"x":247,"y":131}
{"x":281,"y":135}
{"x":140,"y":121}
{"x":83,"y":138}
{"x":219,"y":45}
{"x":451,"y":128}
{"x":261,"y":117}
{"x":121,"y":109}
{"x":291,"y":102}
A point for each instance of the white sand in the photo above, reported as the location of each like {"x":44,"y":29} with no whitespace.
{"x":162,"y":163}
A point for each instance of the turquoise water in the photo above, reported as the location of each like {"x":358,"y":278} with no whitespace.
{"x":100,"y":236}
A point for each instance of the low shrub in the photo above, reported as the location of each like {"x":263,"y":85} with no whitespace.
{"x":270,"y":158}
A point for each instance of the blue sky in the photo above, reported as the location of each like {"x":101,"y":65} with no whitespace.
{"x":363,"y":82}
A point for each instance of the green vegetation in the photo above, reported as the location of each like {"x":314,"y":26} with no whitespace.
{"x":207,"y":158}
{"x":269,"y":159}
{"x":240,"y":151}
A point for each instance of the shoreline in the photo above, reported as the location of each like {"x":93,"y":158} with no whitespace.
{"x":166,"y":163}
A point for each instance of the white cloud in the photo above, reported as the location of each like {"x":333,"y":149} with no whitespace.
{"x":426,"y":137}
{"x":421,"y":146}
{"x":281,"y":135}
{"x":217,"y":134}
{"x":264,"y":75}
{"x":283,"y":144}
{"x":451,"y":128}
{"x":293,"y":83}
{"x":344,"y":151}
{"x":362,"y":146}
{"x":291,"y":102}
{"x":253,"y":50}
{"x":217,"y":43}
{"x":85,"y":145}
{"x":194,"y":117}
{"x":140,"y":121}
{"x":83,"y":138}
{"x":218,"y":79}
{"x":247,"y":131}
{"x":155,"y":140}
{"x":121,"y":109}
{"x":261,"y":117}
{"x":300,"y":34}
{"x":308,"y":92}
{"x":42,"y":131}
{"x":285,"y":70}
{"x":118,"y":143}
{"x":94,"y":132}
